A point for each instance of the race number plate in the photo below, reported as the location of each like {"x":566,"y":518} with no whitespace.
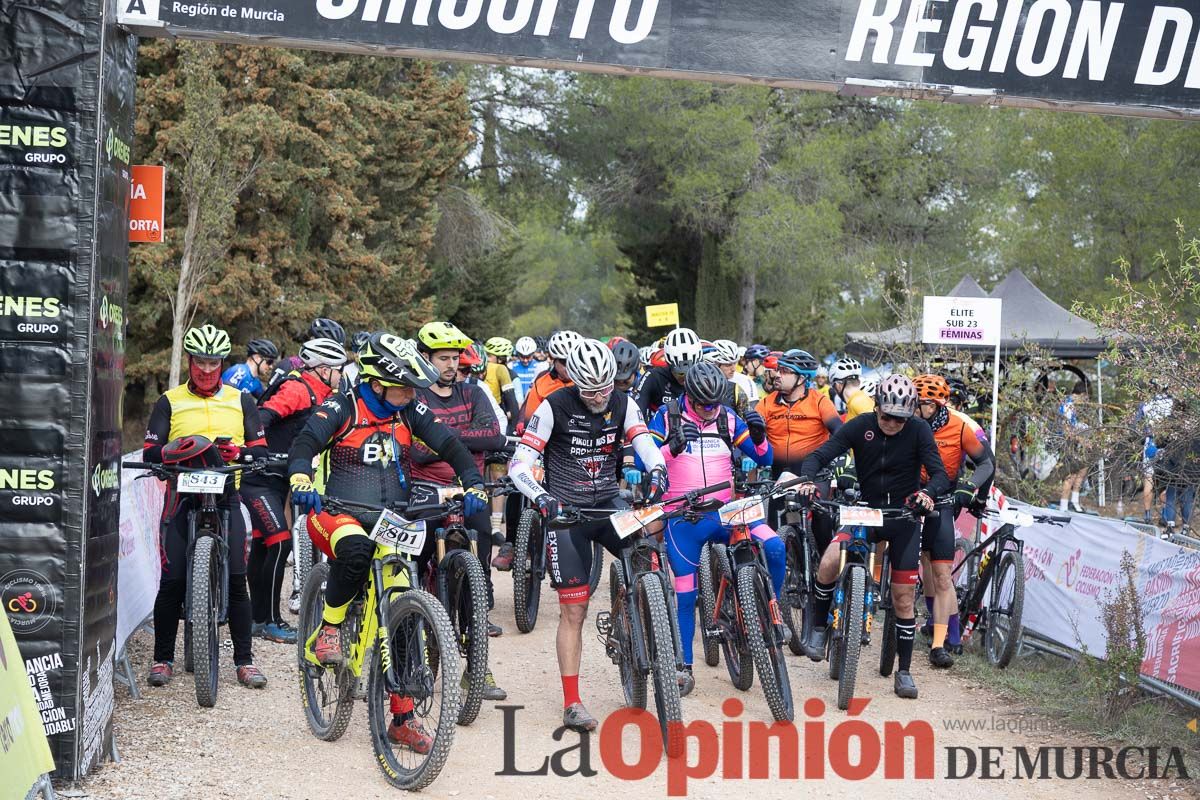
{"x":860,"y":515}
{"x":395,"y":531}
{"x":1018,"y":519}
{"x":201,"y":482}
{"x":448,"y":493}
{"x":629,"y":522}
{"x":743,"y":512}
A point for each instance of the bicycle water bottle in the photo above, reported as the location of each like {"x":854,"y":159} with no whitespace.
{"x":983,"y":562}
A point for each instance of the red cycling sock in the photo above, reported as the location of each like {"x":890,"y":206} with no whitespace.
{"x":570,"y":690}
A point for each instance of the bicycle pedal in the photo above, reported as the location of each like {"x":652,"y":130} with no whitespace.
{"x":714,"y":634}
{"x":604,"y":623}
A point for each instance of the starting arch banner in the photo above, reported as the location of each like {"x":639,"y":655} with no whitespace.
{"x":1097,"y":55}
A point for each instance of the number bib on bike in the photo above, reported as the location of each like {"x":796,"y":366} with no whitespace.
{"x":746,"y":511}
{"x":860,"y":515}
{"x":395,"y":531}
{"x":201,"y":482}
{"x":629,"y":522}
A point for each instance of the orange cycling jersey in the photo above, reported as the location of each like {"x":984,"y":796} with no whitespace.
{"x":959,"y":437}
{"x":544,"y":385}
{"x":798,"y":429}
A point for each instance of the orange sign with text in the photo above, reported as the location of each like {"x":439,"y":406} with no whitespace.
{"x":147,"y":203}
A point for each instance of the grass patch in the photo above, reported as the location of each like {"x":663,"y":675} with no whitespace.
{"x":1064,"y":690}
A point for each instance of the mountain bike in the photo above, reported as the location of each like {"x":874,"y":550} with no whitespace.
{"x":206,"y":601}
{"x":857,"y":592}
{"x":991,"y":594}
{"x":529,"y":564}
{"x":794,"y":526}
{"x":455,"y":576}
{"x":741,"y":613}
{"x":640,"y":632}
{"x":399,"y":635}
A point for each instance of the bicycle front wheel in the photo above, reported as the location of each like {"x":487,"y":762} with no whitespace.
{"x":427,"y":700}
{"x":206,"y":603}
{"x":528,"y":558}
{"x":1006,"y":603}
{"x":633,"y":684}
{"x":707,"y":581}
{"x":660,"y":647}
{"x":302,"y":558}
{"x":754,"y":596}
{"x":327,"y":694}
{"x":850,"y":633}
{"x":738,"y":661}
{"x":466,"y":602}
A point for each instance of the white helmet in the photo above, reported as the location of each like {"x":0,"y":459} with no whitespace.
{"x":647,"y":353}
{"x":869,"y":385}
{"x":322,"y":353}
{"x":845,"y":368}
{"x":562,"y":343}
{"x":682,"y":348}
{"x":723,"y":352}
{"x":591,"y":365}
{"x":525,"y":346}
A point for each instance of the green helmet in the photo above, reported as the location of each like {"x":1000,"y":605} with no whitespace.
{"x":208,"y":341}
{"x":395,"y":362}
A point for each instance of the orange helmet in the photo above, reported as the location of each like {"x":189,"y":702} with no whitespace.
{"x":932,"y":387}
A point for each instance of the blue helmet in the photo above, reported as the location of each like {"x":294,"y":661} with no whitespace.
{"x":759,"y":351}
{"x":799,"y":361}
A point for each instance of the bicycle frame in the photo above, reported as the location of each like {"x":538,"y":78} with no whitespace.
{"x":744,"y":549}
{"x":858,"y":551}
{"x":653,"y":552}
{"x":991,"y":547}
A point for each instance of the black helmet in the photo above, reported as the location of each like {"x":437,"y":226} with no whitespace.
{"x":323,"y":328}
{"x":628,"y":357}
{"x":359,"y":340}
{"x":541,"y":343}
{"x":704,"y":383}
{"x":262,"y":347}
{"x":395,"y":362}
{"x":958,"y":390}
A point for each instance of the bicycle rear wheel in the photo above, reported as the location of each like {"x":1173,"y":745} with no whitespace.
{"x":206,"y":603}
{"x":303,"y":557}
{"x":417,"y":623}
{"x":1005,"y":605}
{"x":660,"y":647}
{"x":327,"y":694}
{"x":633,"y":684}
{"x":597,"y":568}
{"x":467,"y":605}
{"x":527,"y":565}
{"x":708,"y":580}
{"x":738,"y":661}
{"x":754,"y":597}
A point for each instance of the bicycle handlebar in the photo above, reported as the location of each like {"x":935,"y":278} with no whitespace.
{"x":177,"y":469}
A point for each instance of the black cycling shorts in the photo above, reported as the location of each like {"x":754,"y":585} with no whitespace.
{"x":904,"y":547}
{"x":570,"y":553}
{"x":266,"y":506}
{"x":937,"y":535}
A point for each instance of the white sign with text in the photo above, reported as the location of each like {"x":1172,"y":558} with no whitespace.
{"x":962,"y":321}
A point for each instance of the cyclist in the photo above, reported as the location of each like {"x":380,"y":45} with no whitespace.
{"x":542,"y":354}
{"x":471,"y":369}
{"x":320,"y":328}
{"x":547,"y":383}
{"x":203,"y":406}
{"x":752,"y":364}
{"x":463,"y":407}
{"x":499,"y":379}
{"x":741,"y":393}
{"x":958,"y":437}
{"x":628,"y":361}
{"x":368,"y":438}
{"x":264,"y":494}
{"x":525,"y":367}
{"x":579,"y":432}
{"x":890,"y":449}
{"x":845,"y":379}
{"x":681,"y":349}
{"x":698,"y":435}
{"x":261,"y":355}
{"x":798,"y":420}
{"x":821,"y":381}
{"x":350,"y":370}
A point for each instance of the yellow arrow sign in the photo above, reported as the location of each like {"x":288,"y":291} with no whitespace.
{"x":1192,"y":726}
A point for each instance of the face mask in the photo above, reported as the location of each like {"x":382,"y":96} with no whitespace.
{"x":375,"y":402}
{"x":203,"y":383}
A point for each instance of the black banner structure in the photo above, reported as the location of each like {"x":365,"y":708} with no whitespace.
{"x":66,"y":120}
{"x":1134,"y":57}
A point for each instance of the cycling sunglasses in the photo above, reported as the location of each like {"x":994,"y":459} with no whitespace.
{"x":883,"y":417}
{"x":597,"y":394}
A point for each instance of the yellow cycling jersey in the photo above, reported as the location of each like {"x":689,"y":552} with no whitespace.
{"x":219,"y":415}
{"x":497,"y":378}
{"x":860,"y":403}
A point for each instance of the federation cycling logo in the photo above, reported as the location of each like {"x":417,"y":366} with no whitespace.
{"x":28,"y":599}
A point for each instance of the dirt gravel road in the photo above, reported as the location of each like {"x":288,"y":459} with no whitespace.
{"x":255,"y":744}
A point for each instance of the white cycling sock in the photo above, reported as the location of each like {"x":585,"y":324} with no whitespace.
{"x":1062,"y":504}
